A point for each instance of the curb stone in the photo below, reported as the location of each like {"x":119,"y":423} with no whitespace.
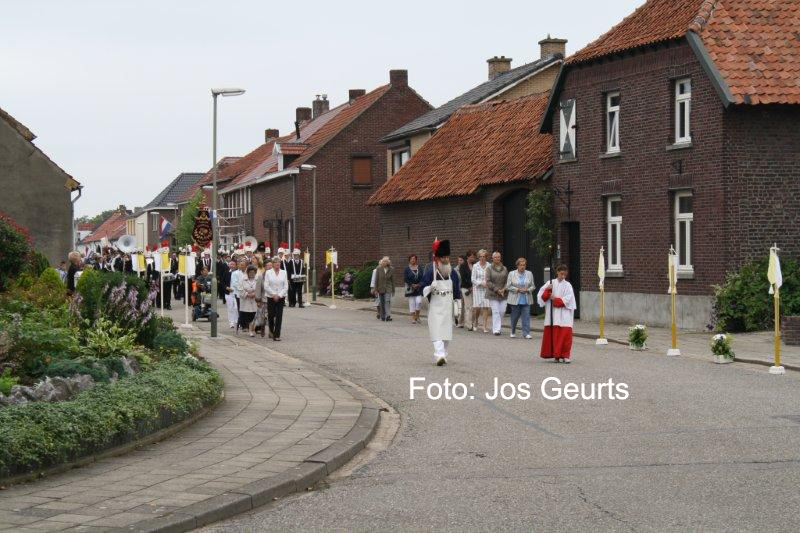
{"x":263,"y":491}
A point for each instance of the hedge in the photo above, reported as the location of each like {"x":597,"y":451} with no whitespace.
{"x":42,"y":435}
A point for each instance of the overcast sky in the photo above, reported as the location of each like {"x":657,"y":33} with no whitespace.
{"x":118,"y":92}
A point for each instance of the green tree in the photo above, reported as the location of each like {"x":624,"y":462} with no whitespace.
{"x":185,"y":225}
{"x":97,"y":219}
{"x":540,"y":220}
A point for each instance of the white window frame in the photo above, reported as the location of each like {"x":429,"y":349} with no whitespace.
{"x":686,"y":112}
{"x":614,"y":224}
{"x":612,"y":125}
{"x":688,"y":219}
{"x":398,"y":156}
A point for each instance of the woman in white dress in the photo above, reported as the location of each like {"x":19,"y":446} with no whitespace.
{"x":480,"y":304}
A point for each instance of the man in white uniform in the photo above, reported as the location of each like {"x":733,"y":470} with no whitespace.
{"x":440,"y":284}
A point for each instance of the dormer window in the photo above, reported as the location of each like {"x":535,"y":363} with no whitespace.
{"x":612,"y":122}
{"x":399,"y":158}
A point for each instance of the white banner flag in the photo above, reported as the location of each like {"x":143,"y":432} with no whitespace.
{"x":774,"y":271}
{"x":601,"y":268}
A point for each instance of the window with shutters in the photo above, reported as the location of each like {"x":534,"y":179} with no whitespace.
{"x":567,"y":137}
{"x":362,"y":171}
{"x":683,"y":107}
{"x":684,"y":218}
{"x":612,"y":122}
{"x":614,"y":229}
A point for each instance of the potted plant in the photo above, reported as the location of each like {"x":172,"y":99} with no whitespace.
{"x":637,"y":337}
{"x":721,"y":348}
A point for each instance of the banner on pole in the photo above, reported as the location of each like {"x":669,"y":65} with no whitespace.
{"x":601,"y":268}
{"x":182,"y":265}
{"x":191,"y":265}
{"x":164,"y":261}
{"x":140,"y":262}
{"x":332,"y":257}
{"x":672,"y":271}
{"x":774,"y":274}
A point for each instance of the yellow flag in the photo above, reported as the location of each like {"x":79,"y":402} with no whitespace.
{"x":164,"y":262}
{"x":327,"y":257}
{"x":142,"y":266}
{"x":182,"y":265}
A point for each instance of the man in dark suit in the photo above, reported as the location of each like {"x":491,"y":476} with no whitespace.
{"x":221,"y":272}
{"x":296,"y":272}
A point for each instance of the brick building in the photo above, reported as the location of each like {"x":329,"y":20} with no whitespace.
{"x":469,"y":183}
{"x":266,"y":194}
{"x":677,"y":127}
{"x":503,"y":83}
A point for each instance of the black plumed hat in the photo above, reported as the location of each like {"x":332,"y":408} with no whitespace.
{"x":441,"y":248}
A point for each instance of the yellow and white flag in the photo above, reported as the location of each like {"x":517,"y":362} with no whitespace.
{"x":332,"y":257}
{"x":774,"y":271}
{"x":601,"y":268}
{"x":182,"y":265}
{"x":164,"y":262}
{"x":672,"y":271}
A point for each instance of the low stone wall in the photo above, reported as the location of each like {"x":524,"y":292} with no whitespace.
{"x":693,"y":312}
{"x":791,"y":330}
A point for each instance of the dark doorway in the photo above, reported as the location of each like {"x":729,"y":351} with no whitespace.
{"x":517,"y":240}
{"x":574,"y":261}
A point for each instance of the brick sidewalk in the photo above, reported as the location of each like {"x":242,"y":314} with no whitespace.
{"x":276,"y":415}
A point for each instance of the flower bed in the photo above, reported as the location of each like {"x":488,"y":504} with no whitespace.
{"x":41,"y":435}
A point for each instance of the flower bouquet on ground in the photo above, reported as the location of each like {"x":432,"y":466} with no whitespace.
{"x":721,"y":348}
{"x":637,"y":337}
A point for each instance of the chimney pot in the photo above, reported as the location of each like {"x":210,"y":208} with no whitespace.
{"x":302,"y":114}
{"x":320,"y":105}
{"x":398,"y":78}
{"x":551,"y":46}
{"x":270,"y":134}
{"x":355,"y":93}
{"x":498,"y":65}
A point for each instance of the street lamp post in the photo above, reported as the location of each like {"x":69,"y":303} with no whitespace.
{"x":215,"y":224}
{"x":313,"y":169}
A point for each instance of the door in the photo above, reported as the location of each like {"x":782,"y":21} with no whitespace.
{"x":574,"y":262}
{"x":517,"y":239}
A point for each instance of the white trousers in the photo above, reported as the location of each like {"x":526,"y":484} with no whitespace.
{"x":498,"y":310}
{"x":233,"y":313}
{"x":414,"y":303}
{"x":440,"y":350}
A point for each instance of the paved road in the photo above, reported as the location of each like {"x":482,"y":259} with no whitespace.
{"x":696,"y":445}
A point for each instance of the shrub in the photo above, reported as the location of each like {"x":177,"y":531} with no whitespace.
{"x":35,"y":341}
{"x":171,"y":343}
{"x":37,"y":263}
{"x":106,"y":339}
{"x":70,"y":367}
{"x":7,"y":381}
{"x":340,"y":276}
{"x":45,"y":292}
{"x":15,"y":246}
{"x":361,"y":283}
{"x":721,"y":344}
{"x":743,"y":303}
{"x":637,"y":335}
{"x":44,"y":434}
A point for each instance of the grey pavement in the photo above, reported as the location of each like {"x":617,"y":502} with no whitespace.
{"x":277,"y":413}
{"x":696,"y":446}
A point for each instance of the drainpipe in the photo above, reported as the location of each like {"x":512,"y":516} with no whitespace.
{"x":74,"y":227}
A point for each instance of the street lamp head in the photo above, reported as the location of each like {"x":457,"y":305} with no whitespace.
{"x":228,"y":91}
{"x":308,"y":167}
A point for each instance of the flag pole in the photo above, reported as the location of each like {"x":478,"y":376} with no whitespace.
{"x":602,"y":340}
{"x":307,"y":303}
{"x":672,"y":271}
{"x":333,"y":279}
{"x":776,"y":280}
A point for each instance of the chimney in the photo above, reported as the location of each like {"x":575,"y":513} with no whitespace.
{"x":552,"y":46}
{"x":355,"y":93}
{"x":498,"y":65}
{"x":398,"y":78}
{"x":122,"y":208}
{"x":320,"y":105}
{"x":302,"y":113}
{"x":270,"y":134}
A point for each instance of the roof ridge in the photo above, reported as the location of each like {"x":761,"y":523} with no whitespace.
{"x":481,"y":106}
{"x":704,"y":14}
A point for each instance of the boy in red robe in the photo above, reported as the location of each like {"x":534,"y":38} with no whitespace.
{"x":558,"y":299}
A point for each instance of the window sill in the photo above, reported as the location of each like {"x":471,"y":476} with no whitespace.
{"x":685,"y":274}
{"x":679,"y":146}
{"x":362,"y":185}
{"x":615,"y":273}
{"x":610,"y":155}
{"x":568,"y":160}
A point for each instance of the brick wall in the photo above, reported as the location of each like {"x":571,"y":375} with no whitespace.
{"x":343,"y":219}
{"x":469,"y":222}
{"x":763,"y":162}
{"x":791,"y":330}
{"x":646,"y":173}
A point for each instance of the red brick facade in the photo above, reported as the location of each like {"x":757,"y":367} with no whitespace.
{"x":743,"y":169}
{"x":343,"y":218}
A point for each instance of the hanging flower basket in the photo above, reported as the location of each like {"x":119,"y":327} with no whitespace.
{"x":637,"y":337}
{"x":721,"y":348}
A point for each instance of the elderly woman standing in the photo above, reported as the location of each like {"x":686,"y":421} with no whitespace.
{"x":480,"y":304}
{"x":247,"y":299}
{"x":496,"y":279}
{"x":413,"y":280}
{"x":520,"y":295}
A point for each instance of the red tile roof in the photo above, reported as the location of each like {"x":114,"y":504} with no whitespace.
{"x":484,"y":144}
{"x":314,"y":134}
{"x":113,"y":228}
{"x":755,"y":44}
